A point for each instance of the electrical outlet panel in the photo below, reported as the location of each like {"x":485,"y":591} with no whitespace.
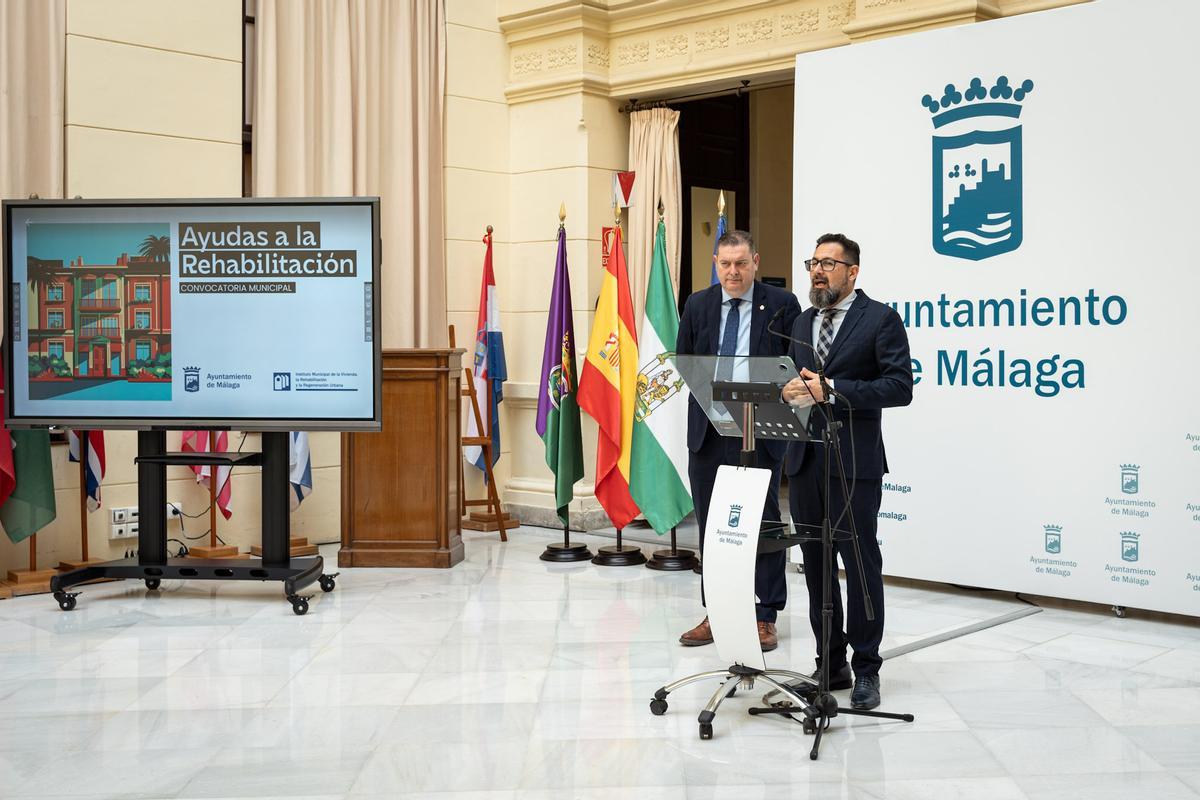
{"x":131,"y":530}
{"x":133,"y":515}
{"x":120,"y":516}
{"x":173,"y":511}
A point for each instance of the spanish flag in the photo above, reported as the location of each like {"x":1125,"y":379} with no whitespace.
{"x":608,"y":385}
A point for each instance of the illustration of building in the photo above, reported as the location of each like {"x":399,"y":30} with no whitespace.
{"x":100,"y":321}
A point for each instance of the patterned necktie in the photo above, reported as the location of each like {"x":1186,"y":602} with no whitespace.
{"x":732,"y":323}
{"x":729,"y":340}
{"x":825,"y":335}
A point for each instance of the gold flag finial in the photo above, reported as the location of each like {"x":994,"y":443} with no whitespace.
{"x":661,"y":209}
{"x":616,"y":214}
{"x":489,"y":229}
{"x":721,"y":204}
{"x":562,"y":213}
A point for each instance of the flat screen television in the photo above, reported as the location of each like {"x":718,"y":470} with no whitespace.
{"x":256,"y":314}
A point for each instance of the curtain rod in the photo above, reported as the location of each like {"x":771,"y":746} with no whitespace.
{"x":634,"y":105}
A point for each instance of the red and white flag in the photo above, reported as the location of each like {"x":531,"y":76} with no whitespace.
{"x":198,"y":442}
{"x":95,"y":461}
{"x":623,"y":188}
{"x":489,"y":367}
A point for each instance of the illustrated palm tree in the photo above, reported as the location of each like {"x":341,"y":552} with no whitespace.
{"x":157,"y":248}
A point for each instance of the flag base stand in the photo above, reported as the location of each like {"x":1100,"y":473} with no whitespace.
{"x":297,"y":546}
{"x":568,"y":551}
{"x":67,"y":566}
{"x":26,"y":581}
{"x":619,"y":555}
{"x":214,"y":551}
{"x":63,"y":566}
{"x":673,"y":560}
{"x":479,"y":521}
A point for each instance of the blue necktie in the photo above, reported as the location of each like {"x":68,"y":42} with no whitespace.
{"x":732,"y":323}
{"x":729,"y":341}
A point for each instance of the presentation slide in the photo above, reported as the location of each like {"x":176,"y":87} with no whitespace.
{"x":1022,"y":198}
{"x":258,"y":314}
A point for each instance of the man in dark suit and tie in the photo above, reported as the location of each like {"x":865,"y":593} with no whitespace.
{"x":864,"y":348}
{"x":731,"y":318}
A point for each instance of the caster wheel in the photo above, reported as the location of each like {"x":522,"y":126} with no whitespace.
{"x":65,"y":601}
{"x":705,"y":730}
{"x":327,"y":583}
{"x":658,"y":707}
{"x":300,"y":606}
{"x":153,"y":583}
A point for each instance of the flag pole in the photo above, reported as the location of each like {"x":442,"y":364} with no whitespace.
{"x":83,"y":496}
{"x":212,"y":493}
{"x":568,"y":551}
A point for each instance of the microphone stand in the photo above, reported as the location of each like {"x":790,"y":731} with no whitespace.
{"x":824,"y":703}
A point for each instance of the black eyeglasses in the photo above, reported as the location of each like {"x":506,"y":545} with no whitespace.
{"x":827,"y":264}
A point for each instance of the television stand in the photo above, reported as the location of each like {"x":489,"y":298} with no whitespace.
{"x":152,"y":564}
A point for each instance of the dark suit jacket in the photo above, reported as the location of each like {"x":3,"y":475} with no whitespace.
{"x":700,"y":335}
{"x":870,"y":367}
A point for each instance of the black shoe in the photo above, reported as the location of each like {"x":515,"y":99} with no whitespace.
{"x":866,"y":693}
{"x":838,"y":679}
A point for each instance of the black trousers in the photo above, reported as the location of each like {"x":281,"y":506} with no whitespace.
{"x":806,"y":494}
{"x":770,"y":584}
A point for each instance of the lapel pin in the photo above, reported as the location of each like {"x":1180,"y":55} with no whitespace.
{"x":761,"y":308}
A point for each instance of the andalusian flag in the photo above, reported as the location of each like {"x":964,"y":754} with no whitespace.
{"x":558,"y":408}
{"x":660,"y":457}
{"x":608,"y":385}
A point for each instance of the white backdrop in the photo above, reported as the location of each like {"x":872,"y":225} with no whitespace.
{"x":1089,"y":486}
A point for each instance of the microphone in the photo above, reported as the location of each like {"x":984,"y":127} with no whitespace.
{"x":829,"y":392}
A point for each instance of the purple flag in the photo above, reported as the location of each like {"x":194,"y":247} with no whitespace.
{"x":558,"y":411}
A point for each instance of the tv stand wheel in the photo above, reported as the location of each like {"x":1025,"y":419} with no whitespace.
{"x":705,"y":730}
{"x":327,"y":582}
{"x":66,"y":600}
{"x":299,"y":605}
{"x":153,"y":583}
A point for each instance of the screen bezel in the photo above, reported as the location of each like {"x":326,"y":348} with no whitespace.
{"x":374,"y":423}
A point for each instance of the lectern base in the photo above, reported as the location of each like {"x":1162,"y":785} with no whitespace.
{"x":672,"y":560}
{"x":619,"y":555}
{"x":564,"y":553}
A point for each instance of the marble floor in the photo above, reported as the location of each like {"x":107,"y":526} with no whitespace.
{"x":507,"y":677}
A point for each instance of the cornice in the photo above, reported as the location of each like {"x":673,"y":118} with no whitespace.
{"x":648,"y":48}
{"x":906,"y":20}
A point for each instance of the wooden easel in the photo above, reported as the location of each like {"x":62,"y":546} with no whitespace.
{"x":494,"y":518}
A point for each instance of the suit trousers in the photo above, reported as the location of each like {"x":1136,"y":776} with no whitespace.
{"x":770,"y":583}
{"x":806,"y":494}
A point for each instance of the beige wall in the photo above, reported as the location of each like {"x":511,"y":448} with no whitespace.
{"x":153,"y":109}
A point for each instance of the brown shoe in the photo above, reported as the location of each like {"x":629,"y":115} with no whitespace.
{"x":699,"y":635}
{"x":766,"y":636}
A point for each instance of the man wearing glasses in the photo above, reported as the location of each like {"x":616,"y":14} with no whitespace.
{"x":731,"y":318}
{"x":863,"y":348}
